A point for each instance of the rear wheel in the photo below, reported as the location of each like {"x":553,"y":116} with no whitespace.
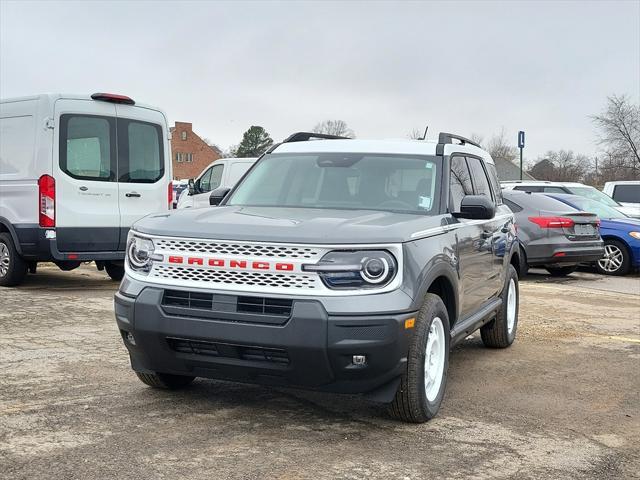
{"x":561,"y":271}
{"x":12,"y":267}
{"x":616,"y":260}
{"x":423,"y":384}
{"x":114,"y":270}
{"x":164,"y":380}
{"x":501,"y":331}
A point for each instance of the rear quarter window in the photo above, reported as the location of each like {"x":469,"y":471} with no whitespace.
{"x":627,"y":193}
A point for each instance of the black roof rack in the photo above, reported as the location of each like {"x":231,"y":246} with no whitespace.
{"x":305,"y":136}
{"x":445,"y":138}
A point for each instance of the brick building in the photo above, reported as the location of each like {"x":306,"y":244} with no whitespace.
{"x":190,"y":153}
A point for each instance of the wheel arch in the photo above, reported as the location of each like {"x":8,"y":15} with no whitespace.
{"x":441,"y":280}
{"x":6,"y":227}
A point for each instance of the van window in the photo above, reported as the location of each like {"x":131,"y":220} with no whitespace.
{"x":479,"y":177}
{"x":216,"y":176}
{"x":86,"y":149}
{"x":460,"y":183}
{"x":627,"y":193}
{"x":140,"y":153}
{"x":204,"y":181}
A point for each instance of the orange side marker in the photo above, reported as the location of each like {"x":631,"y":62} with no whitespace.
{"x":409,"y":323}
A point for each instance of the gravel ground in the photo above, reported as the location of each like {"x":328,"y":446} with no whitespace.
{"x":562,"y":402}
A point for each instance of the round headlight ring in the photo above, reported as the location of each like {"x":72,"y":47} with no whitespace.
{"x":140,"y":257}
{"x":375,"y":270}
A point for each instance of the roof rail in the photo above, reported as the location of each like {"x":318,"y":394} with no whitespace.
{"x":449,"y":137}
{"x":305,"y":136}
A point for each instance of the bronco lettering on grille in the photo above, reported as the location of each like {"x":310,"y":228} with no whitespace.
{"x":233,"y":264}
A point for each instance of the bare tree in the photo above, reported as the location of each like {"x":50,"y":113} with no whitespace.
{"x":476,"y":137}
{"x":334,"y":127}
{"x":416,"y":134}
{"x":500,"y":149}
{"x":561,"y":166}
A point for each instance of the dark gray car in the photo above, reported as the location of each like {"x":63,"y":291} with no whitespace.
{"x":552,"y":234}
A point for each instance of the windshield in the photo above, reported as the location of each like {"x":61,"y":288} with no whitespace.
{"x":594,"y":194}
{"x":600,"y":209}
{"x":397,"y":183}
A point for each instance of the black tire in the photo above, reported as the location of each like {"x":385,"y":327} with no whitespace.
{"x":12,"y":267}
{"x":164,"y":381}
{"x":411,"y":403}
{"x":606,"y":268}
{"x":496,"y":334}
{"x":561,"y":271}
{"x":115,"y":271}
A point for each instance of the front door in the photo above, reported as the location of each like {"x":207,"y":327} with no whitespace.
{"x":85,"y":166}
{"x":209,"y":181}
{"x":143,"y":171}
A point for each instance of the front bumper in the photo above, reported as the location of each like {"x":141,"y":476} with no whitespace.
{"x":309,"y":348}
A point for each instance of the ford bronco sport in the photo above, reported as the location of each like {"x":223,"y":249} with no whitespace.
{"x":340,"y":265}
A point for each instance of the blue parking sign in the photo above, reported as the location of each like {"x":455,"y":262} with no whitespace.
{"x":520,"y":139}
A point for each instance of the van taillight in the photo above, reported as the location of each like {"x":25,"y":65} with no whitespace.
{"x":552,"y":222}
{"x":47,"y":201}
{"x":170,"y":197}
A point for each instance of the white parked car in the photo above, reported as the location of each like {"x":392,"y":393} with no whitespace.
{"x":573,"y":188}
{"x":75,"y":172}
{"x":222,"y":173}
{"x":627,"y":193}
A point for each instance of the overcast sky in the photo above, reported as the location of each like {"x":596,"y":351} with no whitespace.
{"x":384,"y":68}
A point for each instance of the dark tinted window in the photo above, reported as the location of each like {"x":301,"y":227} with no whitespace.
{"x":515,"y":208}
{"x":528,"y":188}
{"x":460,"y":183}
{"x":495,"y":184}
{"x":87,"y":147}
{"x":479,"y":177}
{"x":140,"y":153}
{"x":627,"y":193}
{"x":536,"y":202}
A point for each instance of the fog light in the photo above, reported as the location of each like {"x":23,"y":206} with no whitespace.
{"x":359,"y":360}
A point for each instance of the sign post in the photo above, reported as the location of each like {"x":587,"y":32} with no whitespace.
{"x":521,"y":147}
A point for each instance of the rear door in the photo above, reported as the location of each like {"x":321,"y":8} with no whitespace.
{"x":144,"y":170}
{"x":85,"y":169}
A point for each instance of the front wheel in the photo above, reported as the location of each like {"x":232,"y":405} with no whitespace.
{"x":616,"y":260}
{"x":501,"y":331}
{"x":422,"y":386}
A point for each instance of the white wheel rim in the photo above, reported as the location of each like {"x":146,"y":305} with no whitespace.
{"x":4,"y":260}
{"x":434,"y":355}
{"x":512,"y":301}
{"x":612,"y":260}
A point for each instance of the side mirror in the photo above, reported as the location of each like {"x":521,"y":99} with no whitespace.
{"x":476,"y":207}
{"x":218,"y":195}
{"x":191,"y":185}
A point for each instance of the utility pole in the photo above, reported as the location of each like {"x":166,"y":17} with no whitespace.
{"x":521,"y":147}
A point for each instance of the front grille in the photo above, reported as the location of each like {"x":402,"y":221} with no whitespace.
{"x":227,"y":303}
{"x":249,"y":250}
{"x":238,"y":278}
{"x":227,"y":350}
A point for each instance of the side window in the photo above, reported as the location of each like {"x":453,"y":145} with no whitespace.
{"x":515,"y":208}
{"x":87,"y":151}
{"x":216,"y":176}
{"x":460,"y":182}
{"x":554,"y":190}
{"x":525,"y":188}
{"x":140,"y":152}
{"x":204,"y":183}
{"x":495,"y":183}
{"x":479,"y":177}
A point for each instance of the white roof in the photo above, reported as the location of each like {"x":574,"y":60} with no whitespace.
{"x":402,"y":147}
{"x":52,"y":97}
{"x":542,"y":182}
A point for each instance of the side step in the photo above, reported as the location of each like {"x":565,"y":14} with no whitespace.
{"x":469,"y":325}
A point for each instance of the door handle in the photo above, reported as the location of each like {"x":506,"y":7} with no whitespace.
{"x":132,"y":194}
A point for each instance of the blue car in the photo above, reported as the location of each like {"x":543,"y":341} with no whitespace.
{"x":621,"y":234}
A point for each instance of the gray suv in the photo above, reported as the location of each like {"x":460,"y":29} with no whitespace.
{"x":349,"y":266}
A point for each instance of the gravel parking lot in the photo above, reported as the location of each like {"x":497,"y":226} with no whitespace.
{"x":563,"y":402}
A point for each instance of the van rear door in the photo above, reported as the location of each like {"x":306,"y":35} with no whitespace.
{"x":84,"y":169}
{"x":144,"y":169}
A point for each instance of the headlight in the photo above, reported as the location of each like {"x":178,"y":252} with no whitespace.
{"x":635,"y":235}
{"x":347,"y":269}
{"x":140,"y":253}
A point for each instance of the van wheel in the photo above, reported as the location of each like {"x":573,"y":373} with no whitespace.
{"x":423,"y":383}
{"x":501,"y":331}
{"x":115,"y":271}
{"x":164,"y":381}
{"x":12,"y":267}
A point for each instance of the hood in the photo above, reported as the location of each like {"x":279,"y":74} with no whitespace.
{"x":287,"y":225}
{"x":629,"y":209}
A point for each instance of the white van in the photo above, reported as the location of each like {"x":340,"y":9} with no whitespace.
{"x":222,"y":173}
{"x":75,"y":172}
